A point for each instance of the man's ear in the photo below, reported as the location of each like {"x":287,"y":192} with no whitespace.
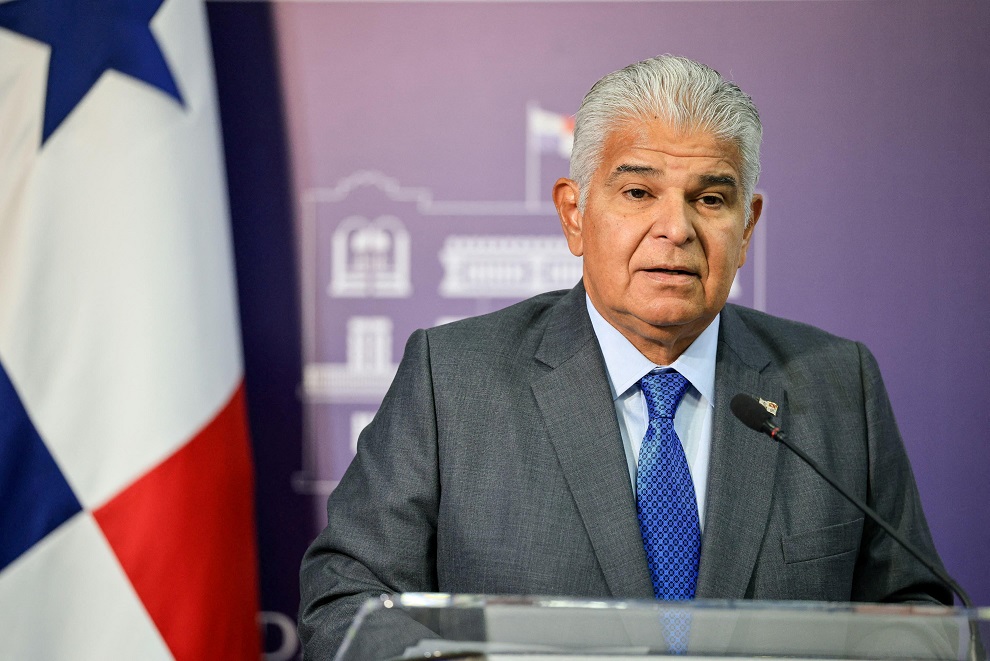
{"x":755,"y":210}
{"x":566,"y":195}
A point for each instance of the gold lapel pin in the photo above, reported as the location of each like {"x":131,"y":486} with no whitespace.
{"x":771,"y":407}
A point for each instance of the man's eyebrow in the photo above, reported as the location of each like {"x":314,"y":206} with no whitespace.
{"x":627,"y":168}
{"x":718,"y":180}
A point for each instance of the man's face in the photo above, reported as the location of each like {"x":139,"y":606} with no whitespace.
{"x":662,"y":233}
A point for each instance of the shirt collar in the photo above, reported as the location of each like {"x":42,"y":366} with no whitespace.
{"x":626,"y":365}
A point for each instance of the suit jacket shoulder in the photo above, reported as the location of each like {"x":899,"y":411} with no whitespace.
{"x":778,"y":339}
{"x":547,"y":326}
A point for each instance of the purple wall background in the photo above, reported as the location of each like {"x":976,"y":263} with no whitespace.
{"x":876,"y":162}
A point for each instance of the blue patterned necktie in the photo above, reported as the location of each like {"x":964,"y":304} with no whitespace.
{"x":665,"y":499}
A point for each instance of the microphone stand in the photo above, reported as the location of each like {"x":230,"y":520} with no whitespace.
{"x":754,"y":416}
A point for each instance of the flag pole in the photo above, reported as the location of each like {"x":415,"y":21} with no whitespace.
{"x":532,"y":160}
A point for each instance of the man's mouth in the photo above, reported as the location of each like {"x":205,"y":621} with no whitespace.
{"x":671,"y":271}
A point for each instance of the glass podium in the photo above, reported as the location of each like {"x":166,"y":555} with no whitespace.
{"x":444,"y":626}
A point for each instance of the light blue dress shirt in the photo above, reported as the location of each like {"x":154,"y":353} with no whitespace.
{"x":693,"y":419}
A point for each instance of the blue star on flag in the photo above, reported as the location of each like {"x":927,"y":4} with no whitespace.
{"x":87,"y":38}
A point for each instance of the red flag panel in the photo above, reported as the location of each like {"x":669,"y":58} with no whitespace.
{"x":184,"y":534}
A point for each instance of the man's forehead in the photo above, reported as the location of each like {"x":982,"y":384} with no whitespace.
{"x":659,"y":135}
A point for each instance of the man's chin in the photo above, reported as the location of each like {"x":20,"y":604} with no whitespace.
{"x":675,"y":315}
{"x":672,"y":321}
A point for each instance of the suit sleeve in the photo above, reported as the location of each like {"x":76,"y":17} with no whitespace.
{"x":381,"y":530}
{"x":885,"y":572}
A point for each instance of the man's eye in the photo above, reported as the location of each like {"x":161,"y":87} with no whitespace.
{"x":711,"y":200}
{"x":637,"y":193}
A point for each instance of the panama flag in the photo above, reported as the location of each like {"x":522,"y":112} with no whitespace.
{"x":126,"y":512}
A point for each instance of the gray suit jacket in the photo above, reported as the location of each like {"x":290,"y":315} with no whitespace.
{"x":495,"y":466}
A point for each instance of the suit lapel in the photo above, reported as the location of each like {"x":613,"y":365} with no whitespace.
{"x":576,"y":403}
{"x":742,"y":465}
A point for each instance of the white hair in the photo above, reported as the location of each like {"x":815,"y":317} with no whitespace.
{"x":686,"y":94}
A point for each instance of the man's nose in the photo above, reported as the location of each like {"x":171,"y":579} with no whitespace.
{"x":673,"y":220}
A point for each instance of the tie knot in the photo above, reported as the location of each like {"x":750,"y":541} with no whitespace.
{"x":663,"y":392}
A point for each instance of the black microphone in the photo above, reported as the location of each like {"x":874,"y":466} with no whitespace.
{"x":752,"y":414}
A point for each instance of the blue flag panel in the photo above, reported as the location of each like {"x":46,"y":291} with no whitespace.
{"x":34,"y":496}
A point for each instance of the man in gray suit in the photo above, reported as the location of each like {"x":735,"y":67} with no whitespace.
{"x":516,"y":453}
